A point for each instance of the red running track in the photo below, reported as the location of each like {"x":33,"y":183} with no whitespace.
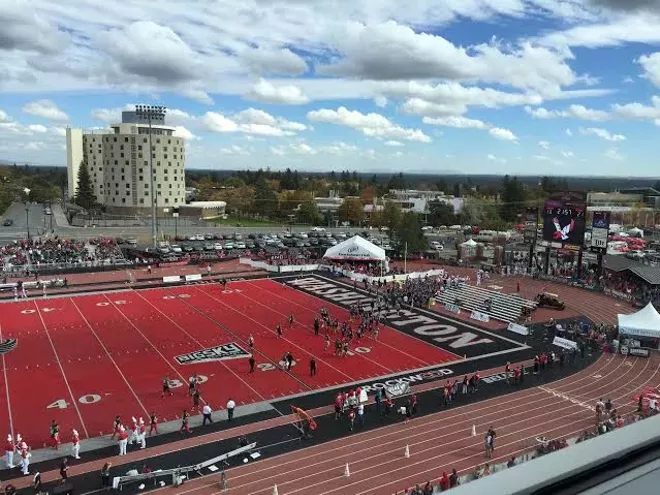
{"x":82,"y":360}
{"x":443,"y":441}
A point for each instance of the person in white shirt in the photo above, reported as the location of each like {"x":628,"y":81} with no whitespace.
{"x":76,"y":444}
{"x":230,"y":409}
{"x":206,"y":413}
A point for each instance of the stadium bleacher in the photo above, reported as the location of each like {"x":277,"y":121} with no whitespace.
{"x":500,"y":306}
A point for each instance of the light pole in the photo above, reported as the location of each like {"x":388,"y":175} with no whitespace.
{"x":27,"y":210}
{"x":151,"y":112}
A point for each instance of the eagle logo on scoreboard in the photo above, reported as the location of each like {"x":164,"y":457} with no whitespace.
{"x":218,"y":353}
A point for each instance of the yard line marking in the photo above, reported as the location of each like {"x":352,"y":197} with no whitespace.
{"x":305,"y":351}
{"x":200,"y":344}
{"x":4,"y":369}
{"x":59,"y":363}
{"x":107,"y":353}
{"x":176,"y":372}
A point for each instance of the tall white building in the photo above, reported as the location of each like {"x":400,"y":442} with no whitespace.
{"x":119,"y":167}
{"x":74,"y":155}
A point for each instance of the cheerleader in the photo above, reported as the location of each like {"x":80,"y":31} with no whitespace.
{"x":25,"y":458}
{"x":153,"y":423}
{"x":76,"y":444}
{"x":10,"y":447}
{"x":142,"y":434}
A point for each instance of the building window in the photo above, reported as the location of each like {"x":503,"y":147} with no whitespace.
{"x":146,"y":163}
{"x":141,"y":178}
{"x":123,"y":200}
{"x":128,"y":186}
{"x":114,"y":139}
{"x":167,"y":200}
{"x":139,"y":147}
{"x":141,"y":201}
{"x":146,"y":194}
{"x":159,"y":184}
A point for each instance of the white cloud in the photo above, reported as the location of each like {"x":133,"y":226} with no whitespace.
{"x":251,"y":121}
{"x":198,"y":95}
{"x":568,"y":132}
{"x":496,"y":159}
{"x":574,"y":111}
{"x":45,"y":109}
{"x":458,"y":122}
{"x":651,"y":65}
{"x":392,"y":51}
{"x":274,"y":61}
{"x":567,"y":154}
{"x":371,"y":124}
{"x":614,"y":31}
{"x":502,"y":134}
{"x":613,"y":154}
{"x":380,"y":101}
{"x":638,"y":111}
{"x":181,"y":131}
{"x":4,"y":117}
{"x":265,"y":92}
{"x":602,"y":133}
{"x":393,"y":143}
{"x":544,"y":144}
{"x":235,"y":150}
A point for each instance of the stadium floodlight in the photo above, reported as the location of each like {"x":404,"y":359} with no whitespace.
{"x":152,"y":112}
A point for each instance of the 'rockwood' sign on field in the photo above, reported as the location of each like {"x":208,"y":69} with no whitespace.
{"x":424,"y":325}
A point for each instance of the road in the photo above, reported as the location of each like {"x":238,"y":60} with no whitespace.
{"x":39,"y":223}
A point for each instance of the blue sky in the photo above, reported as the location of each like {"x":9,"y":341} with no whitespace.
{"x":564,"y":87}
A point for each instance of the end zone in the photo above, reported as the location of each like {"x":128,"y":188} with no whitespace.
{"x":429,"y":327}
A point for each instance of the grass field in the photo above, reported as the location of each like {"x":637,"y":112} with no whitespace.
{"x":244,"y":222}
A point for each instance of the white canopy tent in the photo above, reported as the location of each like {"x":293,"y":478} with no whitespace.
{"x":471,"y":243}
{"x":355,"y":249}
{"x":644,"y":323}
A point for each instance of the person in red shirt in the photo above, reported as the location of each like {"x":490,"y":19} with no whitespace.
{"x":10,"y":447}
{"x":444,"y":482}
{"x":516,"y":375}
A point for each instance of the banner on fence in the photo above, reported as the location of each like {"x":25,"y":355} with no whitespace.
{"x":565,"y":343}
{"x":195,"y":277}
{"x":479,"y":316}
{"x":519,"y":329}
{"x":171,"y":279}
{"x":638,"y":352}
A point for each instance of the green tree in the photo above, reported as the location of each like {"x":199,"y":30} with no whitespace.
{"x":309,"y":213}
{"x":265,"y":199}
{"x":409,"y":234}
{"x":351,"y":210}
{"x":441,"y":213}
{"x":513,"y":198}
{"x":391,"y":215}
{"x":397,"y":182}
{"x":85,"y":197}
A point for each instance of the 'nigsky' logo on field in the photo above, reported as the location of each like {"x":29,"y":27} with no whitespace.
{"x":8,"y":346}
{"x":218,"y":353}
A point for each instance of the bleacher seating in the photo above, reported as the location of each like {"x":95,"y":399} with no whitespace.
{"x":504,"y":307}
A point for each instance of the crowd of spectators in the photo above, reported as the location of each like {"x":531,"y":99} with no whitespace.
{"x":36,"y":254}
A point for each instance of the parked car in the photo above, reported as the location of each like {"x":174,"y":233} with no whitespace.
{"x":176,"y":248}
{"x":8,"y":222}
{"x":240,"y":245}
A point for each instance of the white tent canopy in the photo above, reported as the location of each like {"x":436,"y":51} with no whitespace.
{"x":355,"y":249}
{"x":644,"y":323}
{"x":469,"y":243}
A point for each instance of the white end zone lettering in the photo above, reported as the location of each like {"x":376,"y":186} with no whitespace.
{"x":432,"y":328}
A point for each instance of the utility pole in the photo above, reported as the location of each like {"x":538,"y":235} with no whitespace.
{"x":151,"y":112}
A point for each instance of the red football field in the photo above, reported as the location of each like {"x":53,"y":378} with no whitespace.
{"x":82,"y":360}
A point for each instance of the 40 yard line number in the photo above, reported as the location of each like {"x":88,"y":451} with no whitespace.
{"x":85,"y":400}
